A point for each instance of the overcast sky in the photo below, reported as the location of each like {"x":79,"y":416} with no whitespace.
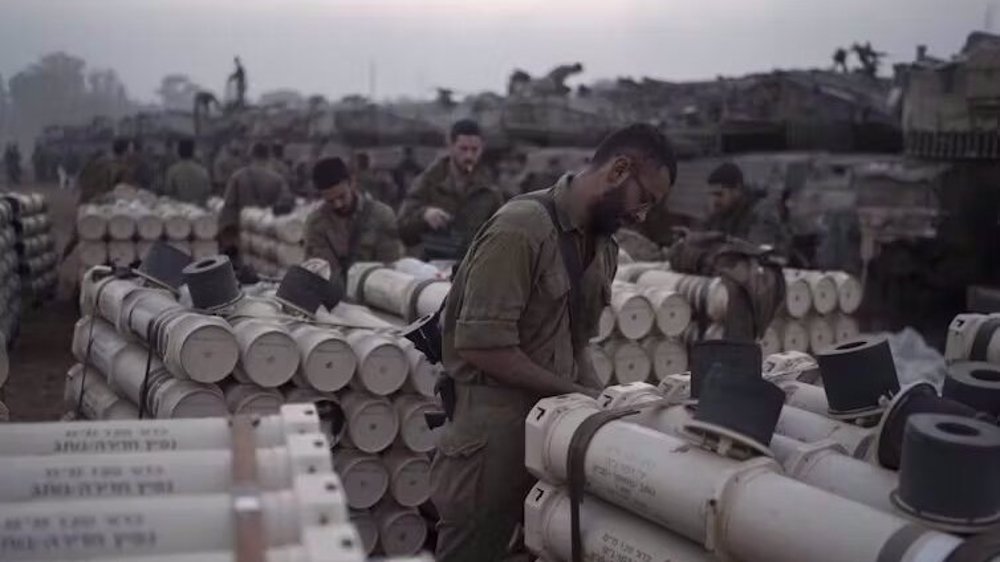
{"x":329,"y":46}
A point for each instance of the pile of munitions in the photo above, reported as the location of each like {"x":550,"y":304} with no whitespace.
{"x":121,"y":231}
{"x":10,"y":276}
{"x":271,"y":244}
{"x":792,"y":458}
{"x":245,"y":488}
{"x":37,"y":260}
{"x":179,"y":338}
{"x":656,"y":314}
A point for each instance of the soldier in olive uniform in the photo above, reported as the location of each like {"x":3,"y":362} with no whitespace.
{"x":740,"y":213}
{"x":227,"y":162}
{"x":509,"y":338}
{"x":254,"y":185}
{"x":102,"y":173}
{"x":187,"y":180}
{"x":450,"y":200}
{"x":349,"y":226}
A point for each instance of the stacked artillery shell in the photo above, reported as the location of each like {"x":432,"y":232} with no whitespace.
{"x":169,"y":489}
{"x":10,"y":278}
{"x":272,"y":243}
{"x":647,"y":479}
{"x":819,"y":310}
{"x":37,"y":259}
{"x":639,"y":335}
{"x":120,"y":233}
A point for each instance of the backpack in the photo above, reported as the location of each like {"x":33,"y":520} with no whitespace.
{"x":753,"y":278}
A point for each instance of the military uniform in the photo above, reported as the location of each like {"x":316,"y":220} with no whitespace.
{"x":512,"y":289}
{"x":252,"y":186}
{"x":372,"y":225}
{"x":470,"y":202}
{"x":750,"y":220}
{"x":188,"y":181}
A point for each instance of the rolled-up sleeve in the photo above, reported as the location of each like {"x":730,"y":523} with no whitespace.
{"x":497,"y":288}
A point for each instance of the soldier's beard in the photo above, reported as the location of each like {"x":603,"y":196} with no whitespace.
{"x":608,"y":213}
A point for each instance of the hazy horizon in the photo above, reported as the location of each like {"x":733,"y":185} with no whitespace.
{"x":328,"y":47}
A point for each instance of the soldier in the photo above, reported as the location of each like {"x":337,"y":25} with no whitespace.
{"x":187,"y":180}
{"x":138,"y":170}
{"x":350,"y":226}
{"x":254,"y":185}
{"x":516,"y":325}
{"x":406,"y":171}
{"x":102,"y":173}
{"x":280,"y":165}
{"x":370,"y":182}
{"x":840,"y":59}
{"x":12,"y":160}
{"x":740,"y":213}
{"x":229,"y":159}
{"x":450,"y":200}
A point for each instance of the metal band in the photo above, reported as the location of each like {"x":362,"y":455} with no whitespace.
{"x":361,"y":283}
{"x":981,"y":343}
{"x":415,"y":297}
{"x":247,"y":507}
{"x":895,"y":548}
{"x":576,"y":470}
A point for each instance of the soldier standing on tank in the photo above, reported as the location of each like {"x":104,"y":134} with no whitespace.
{"x":451,"y":199}
{"x":514,"y":333}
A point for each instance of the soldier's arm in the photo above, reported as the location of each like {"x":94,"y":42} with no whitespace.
{"x":499,"y":284}
{"x":411,"y":213}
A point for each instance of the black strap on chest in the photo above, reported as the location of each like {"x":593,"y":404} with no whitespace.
{"x":571,"y":258}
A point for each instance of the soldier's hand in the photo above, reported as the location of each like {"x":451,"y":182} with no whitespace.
{"x":436,"y":218}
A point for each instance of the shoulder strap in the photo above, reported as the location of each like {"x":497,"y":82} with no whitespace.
{"x":570,"y":256}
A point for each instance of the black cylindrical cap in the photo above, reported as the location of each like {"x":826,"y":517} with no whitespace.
{"x":856,"y":373}
{"x":949,"y":471}
{"x":727,"y":357}
{"x":164,"y":265}
{"x":212,"y":282}
{"x":974,"y":384}
{"x":306,"y":291}
{"x":745,"y":405}
{"x":918,"y":399}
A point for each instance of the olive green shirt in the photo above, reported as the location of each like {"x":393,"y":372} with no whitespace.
{"x":252,"y":186}
{"x":512,"y":289}
{"x":470,"y":201}
{"x":328,"y":235}
{"x":188,"y":181}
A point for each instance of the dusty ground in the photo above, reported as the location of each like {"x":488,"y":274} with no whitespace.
{"x":41,"y":355}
